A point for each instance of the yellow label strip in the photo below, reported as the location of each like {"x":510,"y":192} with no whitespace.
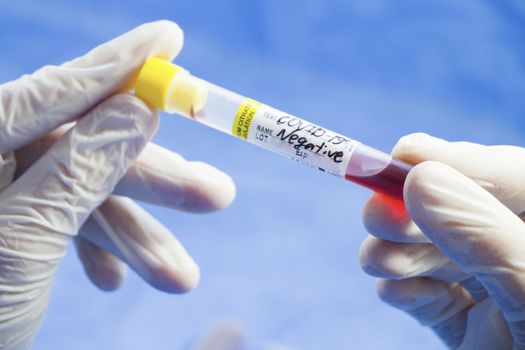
{"x":244,"y":117}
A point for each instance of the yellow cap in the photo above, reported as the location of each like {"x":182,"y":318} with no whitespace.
{"x":154,"y":81}
{"x":169,"y":87}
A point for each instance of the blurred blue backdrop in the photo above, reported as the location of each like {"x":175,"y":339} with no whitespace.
{"x":286,"y":270}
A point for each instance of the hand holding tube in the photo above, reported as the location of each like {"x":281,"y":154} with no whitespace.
{"x":456,"y":260}
{"x":69,"y":137}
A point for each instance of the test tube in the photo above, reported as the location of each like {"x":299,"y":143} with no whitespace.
{"x":173,"y":89}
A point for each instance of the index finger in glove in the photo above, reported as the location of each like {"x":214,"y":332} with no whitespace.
{"x":165,"y":178}
{"x":384,"y":218}
{"x":158,"y":176}
{"x":36,"y":104}
{"x":498,"y":169}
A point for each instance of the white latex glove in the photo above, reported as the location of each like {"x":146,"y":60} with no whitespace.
{"x":224,"y":335}
{"x":53,"y":197}
{"x":456,"y":260}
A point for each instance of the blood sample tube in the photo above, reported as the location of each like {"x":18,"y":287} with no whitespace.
{"x":173,"y":89}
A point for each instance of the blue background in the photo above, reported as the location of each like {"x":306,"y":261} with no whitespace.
{"x":282,"y":260}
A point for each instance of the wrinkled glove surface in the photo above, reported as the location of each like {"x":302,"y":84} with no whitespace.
{"x":70,"y":136}
{"x":455,"y":258}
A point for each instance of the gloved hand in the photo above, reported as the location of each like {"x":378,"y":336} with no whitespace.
{"x":68,"y":134}
{"x":455,"y":260}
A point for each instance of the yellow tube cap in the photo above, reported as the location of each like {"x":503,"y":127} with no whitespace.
{"x":169,"y":87}
{"x":154,"y":81}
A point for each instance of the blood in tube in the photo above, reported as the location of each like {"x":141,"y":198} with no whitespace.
{"x":388,"y":181}
{"x":379,"y":172}
{"x":173,"y":89}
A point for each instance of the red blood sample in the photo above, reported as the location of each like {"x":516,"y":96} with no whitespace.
{"x":378,"y":171}
{"x":388,"y":181}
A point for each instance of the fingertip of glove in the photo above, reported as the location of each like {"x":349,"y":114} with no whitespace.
{"x":103,"y":270}
{"x":386,"y":259}
{"x":414,"y":147}
{"x":410,"y":293}
{"x":216,"y":188}
{"x":367,"y":257}
{"x":168,"y":36}
{"x":422,"y":183}
{"x":438,"y":196}
{"x":390,"y":291}
{"x":177,"y":281}
{"x":380,"y":215}
{"x":191,"y":278}
{"x":106,"y":278}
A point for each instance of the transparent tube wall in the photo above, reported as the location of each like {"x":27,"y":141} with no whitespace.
{"x":220,"y":108}
{"x":293,"y":137}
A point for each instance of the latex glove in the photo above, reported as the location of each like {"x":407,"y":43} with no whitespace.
{"x":49,"y":202}
{"x":456,"y":260}
{"x":224,"y":335}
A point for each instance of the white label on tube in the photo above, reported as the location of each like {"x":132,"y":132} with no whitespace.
{"x":300,"y":140}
